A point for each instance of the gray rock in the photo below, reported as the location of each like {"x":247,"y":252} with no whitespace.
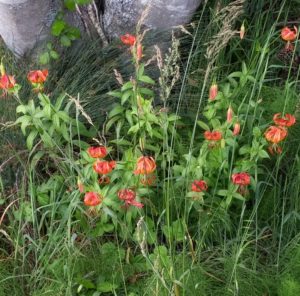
{"x":25,"y":22}
{"x":121,"y":16}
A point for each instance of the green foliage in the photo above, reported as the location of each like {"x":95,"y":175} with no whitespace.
{"x":50,"y":122}
{"x":62,"y":32}
{"x":9,"y":286}
{"x":71,"y":4}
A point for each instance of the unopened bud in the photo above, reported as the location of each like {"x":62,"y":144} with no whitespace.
{"x":213,"y":91}
{"x":242,"y":31}
{"x":229,"y":114}
{"x":236,"y":129}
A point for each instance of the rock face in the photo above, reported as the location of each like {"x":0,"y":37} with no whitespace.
{"x":23,"y":23}
{"x":120,"y":16}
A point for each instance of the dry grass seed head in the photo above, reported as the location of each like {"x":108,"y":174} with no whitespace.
{"x":227,"y":17}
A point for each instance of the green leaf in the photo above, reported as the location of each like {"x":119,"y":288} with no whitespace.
{"x":233,"y":81}
{"x":44,"y":99}
{"x":81,"y":144}
{"x":21,"y":109}
{"x":149,"y":129}
{"x":25,"y":121}
{"x":263,"y":154}
{"x":152,"y":118}
{"x":73,"y":33}
{"x":151,"y":147}
{"x":235,"y":74}
{"x":203,"y":125}
{"x":126,"y":95}
{"x":64,"y":116}
{"x":135,"y":128}
{"x":157,"y":134}
{"x":106,"y":287}
{"x":146,"y":79}
{"x":86,"y":283}
{"x":115,"y":111}
{"x":129,"y":117}
{"x":173,"y":117}
{"x":251,"y":78}
{"x":244,"y":150}
{"x":110,"y":123}
{"x":230,"y":142}
{"x":47,"y":140}
{"x":210,"y":113}
{"x":215,"y":123}
{"x":64,"y":132}
{"x":238,"y":196}
{"x":122,"y":142}
{"x":47,"y":111}
{"x":36,"y":158}
{"x":256,"y":132}
{"x":29,"y":141}
{"x":54,"y":54}
{"x":83,"y":2}
{"x":70,"y":4}
{"x":141,"y":71}
{"x":44,"y":58}
{"x":27,"y":212}
{"x":49,"y":46}
{"x":127,"y":85}
{"x":244,"y":68}
{"x":116,"y":94}
{"x":59,"y":102}
{"x":176,"y":231}
{"x":146,"y":91}
{"x":31,"y":106}
{"x":65,"y":41}
{"x":108,"y":227}
{"x":43,"y":199}
{"x":161,"y":253}
{"x":226,"y":89}
{"x":56,"y":121}
{"x":57,"y":27}
{"x":222,"y":192}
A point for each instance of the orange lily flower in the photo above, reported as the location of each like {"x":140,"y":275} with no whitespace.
{"x":128,"y":39}
{"x":129,"y":196}
{"x":199,"y":186}
{"x":7,"y":82}
{"x":97,"y":152}
{"x":38,"y":76}
{"x":288,"y":34}
{"x":286,"y":120}
{"x":276,"y":134}
{"x":213,"y":136}
{"x":92,"y":199}
{"x":104,"y":167}
{"x":241,"y":179}
{"x":145,"y":165}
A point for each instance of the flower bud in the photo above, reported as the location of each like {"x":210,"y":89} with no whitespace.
{"x":139,"y":51}
{"x":236,"y":129}
{"x":242,"y":31}
{"x":229,"y":114}
{"x":213,"y":91}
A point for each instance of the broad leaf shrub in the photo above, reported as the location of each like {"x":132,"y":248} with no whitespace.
{"x":136,"y":173}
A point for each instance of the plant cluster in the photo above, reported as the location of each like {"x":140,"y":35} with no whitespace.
{"x":135,"y":183}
